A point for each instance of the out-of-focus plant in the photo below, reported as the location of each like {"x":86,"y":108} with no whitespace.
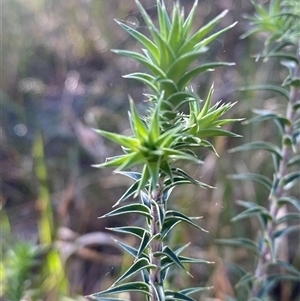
{"x":279,"y":22}
{"x":177,"y":121}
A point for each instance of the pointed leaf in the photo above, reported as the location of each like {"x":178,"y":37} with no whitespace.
{"x":139,"y":287}
{"x":192,"y":290}
{"x":129,"y":192}
{"x":203,"y":31}
{"x":143,"y":60}
{"x":148,"y":44}
{"x":130,"y":250}
{"x":167,"y":251}
{"x":136,"y":231}
{"x":132,"y":208}
{"x":253,"y":177}
{"x":178,"y":216}
{"x":126,"y":141}
{"x":144,"y":242}
{"x":258,"y":145}
{"x":171,"y":295}
{"x":272,"y":88}
{"x":289,"y":200}
{"x":241,"y":242}
{"x":145,"y":79}
{"x":137,"y":266}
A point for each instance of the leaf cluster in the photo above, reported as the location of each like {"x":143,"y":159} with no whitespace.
{"x":160,"y":139}
{"x":281,"y":24}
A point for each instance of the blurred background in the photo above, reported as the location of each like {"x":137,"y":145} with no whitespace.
{"x":59,"y":79}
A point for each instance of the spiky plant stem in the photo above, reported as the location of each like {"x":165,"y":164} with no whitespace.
{"x":156,"y":244}
{"x":278,"y":185}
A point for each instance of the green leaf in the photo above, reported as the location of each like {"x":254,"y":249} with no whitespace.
{"x":258,"y":145}
{"x":241,"y":242}
{"x":143,"y":60}
{"x":146,"y":239}
{"x":138,"y":127}
{"x":137,"y":266}
{"x":187,"y":25}
{"x":181,"y":64}
{"x":288,"y":180}
{"x":285,"y":231}
{"x":145,"y":79}
{"x":272,"y":88}
{"x":136,"y":231}
{"x":289,"y":200}
{"x":129,"y":192}
{"x":287,"y":266}
{"x":245,"y":280}
{"x":190,"y":43}
{"x":167,"y":251}
{"x":192,"y":290}
{"x":130,"y":174}
{"x":132,"y":208}
{"x":146,"y":200}
{"x":179,"y":155}
{"x":105,"y":299}
{"x":213,"y":132}
{"x":171,"y":295}
{"x":255,"y":210}
{"x":191,"y":74}
{"x":148,"y":44}
{"x":130,"y":250}
{"x":288,"y":217}
{"x":163,"y":18}
{"x":174,"y":38}
{"x":168,"y":225}
{"x":128,"y":142}
{"x":139,"y":287}
{"x":143,"y":181}
{"x":214,"y":36}
{"x":253,"y":177}
{"x":178,"y":216}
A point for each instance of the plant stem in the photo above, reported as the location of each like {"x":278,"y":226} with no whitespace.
{"x":156,"y":244}
{"x":278,"y":192}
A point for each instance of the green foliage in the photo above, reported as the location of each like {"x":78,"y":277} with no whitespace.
{"x":18,"y":263}
{"x":280,"y":22}
{"x":166,"y":135}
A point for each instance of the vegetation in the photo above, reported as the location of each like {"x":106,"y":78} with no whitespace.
{"x":61,"y":81}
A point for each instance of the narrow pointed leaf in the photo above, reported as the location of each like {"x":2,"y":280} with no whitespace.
{"x":145,"y":79}
{"x":258,"y":145}
{"x":136,"y":231}
{"x":214,"y":36}
{"x":143,"y":60}
{"x":148,"y":44}
{"x":253,"y":177}
{"x":130,"y":250}
{"x":139,"y":287}
{"x":129,"y":192}
{"x":171,"y":295}
{"x":191,"y":74}
{"x":92,"y":297}
{"x":203,"y":31}
{"x":272,"y":88}
{"x":126,"y":141}
{"x":167,"y":251}
{"x":137,"y":266}
{"x":178,"y":216}
{"x":130,"y":174}
{"x":241,"y":242}
{"x":192,"y":290}
{"x":144,"y":242}
{"x":132,"y":208}
{"x":139,"y":127}
{"x":289,"y":200}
